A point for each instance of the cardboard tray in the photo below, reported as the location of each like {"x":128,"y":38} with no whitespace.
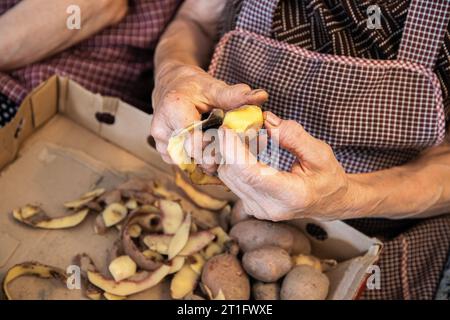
{"x":65,"y":140}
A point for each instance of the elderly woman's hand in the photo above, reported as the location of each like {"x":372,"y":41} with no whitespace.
{"x":182,"y":93}
{"x":317,"y":185}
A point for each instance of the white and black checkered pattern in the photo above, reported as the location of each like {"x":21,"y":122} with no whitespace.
{"x":345,"y":101}
{"x":374,"y":113}
{"x":7,"y":109}
{"x":356,"y":105}
{"x":424,"y":31}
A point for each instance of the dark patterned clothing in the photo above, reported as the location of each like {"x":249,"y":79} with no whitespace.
{"x":343,"y":81}
{"x":117,"y":61}
{"x":7,"y":110}
{"x":339,"y":27}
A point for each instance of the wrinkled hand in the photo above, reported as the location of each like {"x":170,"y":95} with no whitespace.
{"x":182,"y":93}
{"x":316,"y":186}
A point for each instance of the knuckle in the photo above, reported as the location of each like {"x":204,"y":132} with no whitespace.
{"x":326,"y":154}
{"x":246,"y":208}
{"x":250,"y":177}
{"x":292,"y":125}
{"x":158,"y":131}
{"x":242,"y":87}
{"x":222,"y":172}
{"x":161,"y":148}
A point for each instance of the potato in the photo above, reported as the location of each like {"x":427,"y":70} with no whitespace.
{"x":302,"y":245}
{"x":237,"y":215}
{"x":244,"y":118}
{"x":266,"y":291}
{"x":253,"y":234}
{"x":225,"y":273}
{"x":304,"y":283}
{"x":302,"y":259}
{"x":267,"y":264}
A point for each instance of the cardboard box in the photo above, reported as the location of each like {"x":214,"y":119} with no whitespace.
{"x":63,"y":141}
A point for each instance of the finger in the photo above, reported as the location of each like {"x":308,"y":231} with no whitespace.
{"x":194,"y":144}
{"x":258,"y":144}
{"x":167,"y":159}
{"x":254,"y":209}
{"x":159,"y":130}
{"x":210,"y":162}
{"x":241,"y":172}
{"x":292,"y":136}
{"x":252,"y":206}
{"x":228,"y":97}
{"x":162,"y":149}
{"x":233,"y":150}
{"x":178,"y":112}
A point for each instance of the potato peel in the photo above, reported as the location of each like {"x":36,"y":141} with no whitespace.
{"x":318,"y":264}
{"x":176,"y":264}
{"x":196,"y":263}
{"x":122,"y":268}
{"x":200,"y":178}
{"x":205,"y":219}
{"x":160,"y":191}
{"x":129,"y":246}
{"x":34,"y":269}
{"x":201,"y":199}
{"x":110,"y":296}
{"x":172,"y":215}
{"x":114,"y":213}
{"x":35,"y":217}
{"x":184,"y":282}
{"x":196,"y":242}
{"x":158,"y":242}
{"x":180,"y":238}
{"x":84,"y":199}
{"x":129,"y":286}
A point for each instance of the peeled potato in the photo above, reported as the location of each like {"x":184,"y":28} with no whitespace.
{"x":241,"y":120}
{"x":304,"y":283}
{"x":302,"y":260}
{"x":244,"y":118}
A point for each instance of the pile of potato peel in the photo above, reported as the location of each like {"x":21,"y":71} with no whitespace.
{"x":162,"y":236}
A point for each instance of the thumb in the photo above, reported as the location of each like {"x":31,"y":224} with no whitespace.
{"x":228,"y":97}
{"x":291,"y":136}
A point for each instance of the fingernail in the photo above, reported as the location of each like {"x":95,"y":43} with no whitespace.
{"x":272,"y":119}
{"x":254,"y":92}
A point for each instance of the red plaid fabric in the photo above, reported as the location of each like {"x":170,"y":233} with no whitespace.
{"x":116,"y":62}
{"x":375,"y":114}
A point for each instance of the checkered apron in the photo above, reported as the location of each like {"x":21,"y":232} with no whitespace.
{"x":376,"y":114}
{"x":117,"y":61}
